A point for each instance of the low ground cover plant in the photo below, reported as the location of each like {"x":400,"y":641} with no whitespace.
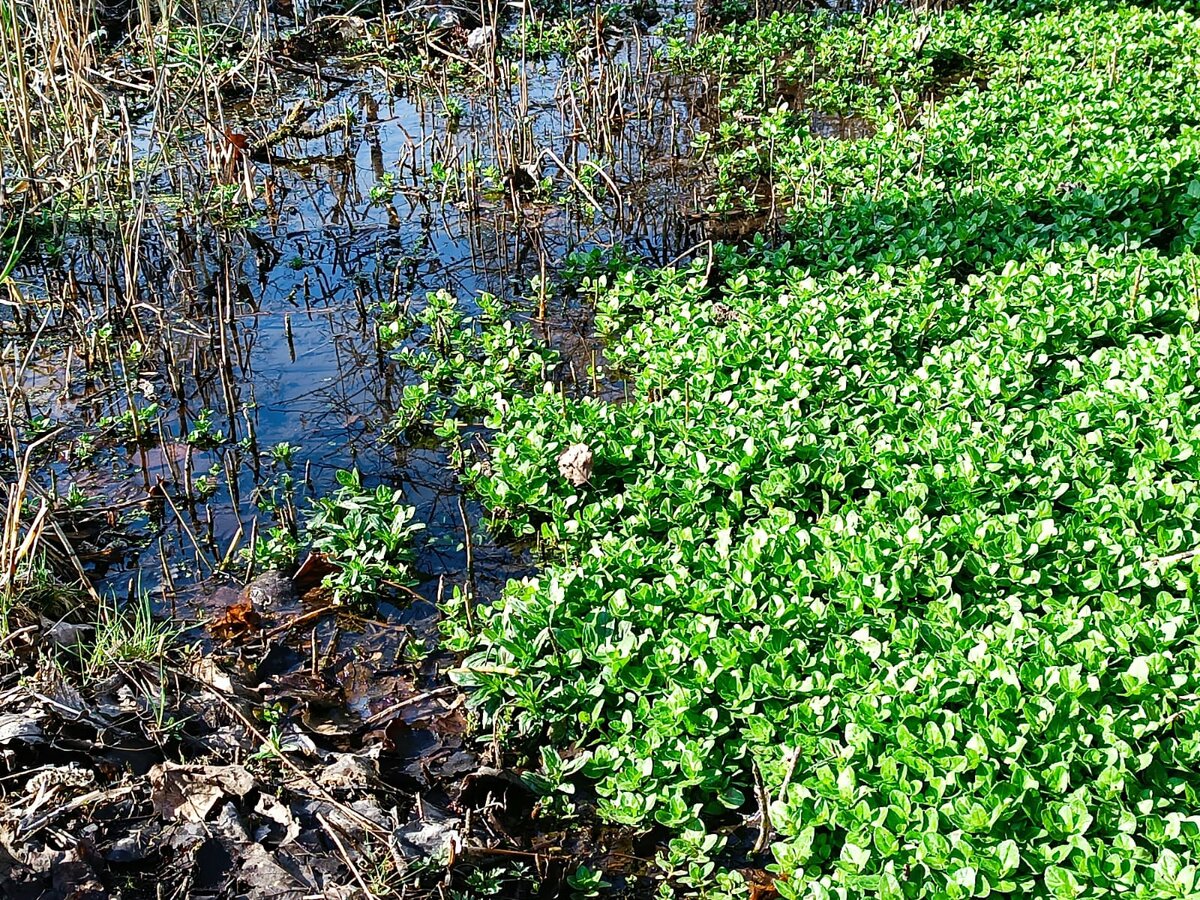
{"x":365,"y":535}
{"x":900,"y":516}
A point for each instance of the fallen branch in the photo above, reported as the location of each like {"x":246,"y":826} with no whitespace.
{"x":294,"y":127}
{"x":301,"y":619}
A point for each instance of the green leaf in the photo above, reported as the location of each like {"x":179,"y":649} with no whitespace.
{"x":1062,"y":883}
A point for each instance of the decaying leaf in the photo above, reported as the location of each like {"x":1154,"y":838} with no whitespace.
{"x":22,"y":727}
{"x":348,"y":818}
{"x":188,"y":793}
{"x":761,"y":884}
{"x":206,"y":670}
{"x":64,"y":634}
{"x":312,"y":572}
{"x":435,"y":835}
{"x":281,"y":815}
{"x":265,"y":879}
{"x":480,"y":38}
{"x":238,"y":620}
{"x":349,"y":770}
{"x":575,"y":464}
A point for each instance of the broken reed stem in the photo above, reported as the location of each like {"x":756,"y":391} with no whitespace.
{"x":764,"y":804}
{"x":793,"y":758}
{"x":1174,"y":558}
{"x":354,"y":870}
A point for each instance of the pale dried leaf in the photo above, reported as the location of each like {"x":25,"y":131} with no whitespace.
{"x":21,"y":727}
{"x":204,"y":669}
{"x":348,"y":771}
{"x":188,"y":793}
{"x":279,"y":813}
{"x":575,"y":464}
{"x":434,"y":839}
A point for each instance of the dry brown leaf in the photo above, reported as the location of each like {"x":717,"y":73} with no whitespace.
{"x":761,"y":884}
{"x":312,"y":572}
{"x":238,"y":620}
{"x":188,"y":793}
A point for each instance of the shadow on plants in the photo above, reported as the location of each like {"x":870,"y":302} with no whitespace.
{"x":972,"y":232}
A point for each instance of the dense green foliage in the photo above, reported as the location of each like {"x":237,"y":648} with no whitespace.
{"x":367,"y":534}
{"x":900,"y":514}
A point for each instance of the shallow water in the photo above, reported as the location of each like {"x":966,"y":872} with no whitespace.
{"x":271,"y":324}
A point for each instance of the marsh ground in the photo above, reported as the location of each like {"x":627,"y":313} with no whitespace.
{"x":541,"y":451}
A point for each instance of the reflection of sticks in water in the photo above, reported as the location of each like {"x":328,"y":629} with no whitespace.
{"x":579,"y":185}
{"x":313,"y":72}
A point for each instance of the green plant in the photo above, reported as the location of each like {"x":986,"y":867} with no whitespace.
{"x":586,"y":884}
{"x":273,"y":746}
{"x":276,"y":494}
{"x":899,"y":515}
{"x":124,"y":635}
{"x":384,"y":189}
{"x":366,"y":533}
{"x":484,"y":883}
{"x":204,"y":435}
{"x":283,"y":454}
{"x":278,"y":549}
{"x":208,"y":484}
{"x":84,"y":447}
{"x":133,"y":353}
{"x":76,"y":498}
{"x":455,"y":109}
{"x":581,"y":268}
{"x":13,"y":242}
{"x":194,"y":51}
{"x":32,"y":592}
{"x":39,"y":426}
{"x":131,"y":425}
{"x":271,"y":713}
{"x":415,"y":402}
{"x":553,"y":782}
{"x":395,"y":325}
